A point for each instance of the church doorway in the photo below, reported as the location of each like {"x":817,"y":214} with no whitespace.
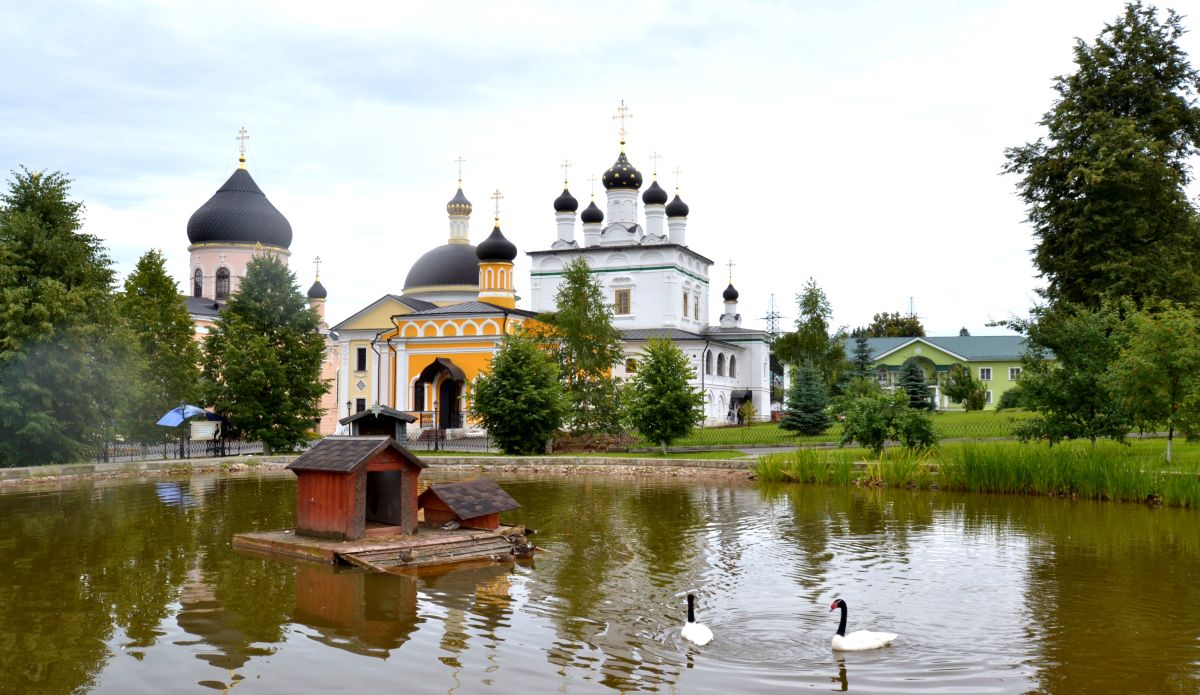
{"x":445,"y":380}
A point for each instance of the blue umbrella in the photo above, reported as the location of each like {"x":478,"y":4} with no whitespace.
{"x":177,"y":416}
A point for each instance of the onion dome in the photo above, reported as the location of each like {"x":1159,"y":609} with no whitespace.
{"x":496,"y":247}
{"x":317,"y":291}
{"x":566,"y":202}
{"x":459,"y":205}
{"x":730,"y":294}
{"x":654,"y":195}
{"x":622,"y":175}
{"x":239,"y":213}
{"x":448,"y":264}
{"x":592,"y":214}
{"x":677,"y":208}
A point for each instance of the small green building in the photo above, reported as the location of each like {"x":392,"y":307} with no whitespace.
{"x":993,"y":359}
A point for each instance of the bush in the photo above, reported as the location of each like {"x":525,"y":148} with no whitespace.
{"x":873,"y":420}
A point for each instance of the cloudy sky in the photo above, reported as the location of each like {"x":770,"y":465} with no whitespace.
{"x":859,"y":143}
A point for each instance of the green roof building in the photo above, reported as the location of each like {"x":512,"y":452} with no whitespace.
{"x":993,"y":359}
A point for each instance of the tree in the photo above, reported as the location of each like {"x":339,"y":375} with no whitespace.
{"x":1064,"y":373}
{"x":662,"y":405}
{"x":860,"y":364}
{"x":521,"y":401}
{"x":805,"y":411}
{"x":964,"y":333}
{"x":588,"y":345}
{"x":811,"y":341}
{"x":1157,"y":376}
{"x":912,"y":383}
{"x":156,"y":315}
{"x":1106,"y":188}
{"x":873,"y":420}
{"x":962,"y":387}
{"x":64,"y":358}
{"x":262,"y":359}
{"x":894,"y":325}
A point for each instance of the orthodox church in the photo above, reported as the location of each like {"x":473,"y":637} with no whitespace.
{"x":235,"y":225}
{"x":419,"y":350}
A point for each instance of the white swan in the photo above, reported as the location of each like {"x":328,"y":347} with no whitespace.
{"x":858,"y":640}
{"x":695,"y":632}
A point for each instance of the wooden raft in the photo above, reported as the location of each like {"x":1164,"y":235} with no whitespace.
{"x":431,"y":546}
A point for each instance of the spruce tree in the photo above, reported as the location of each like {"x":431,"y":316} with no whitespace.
{"x":64,"y":359}
{"x":662,"y":404}
{"x":520,"y":401}
{"x":262,"y":360}
{"x":156,"y":315}
{"x":912,"y":382}
{"x":861,"y":362}
{"x":805,"y":411}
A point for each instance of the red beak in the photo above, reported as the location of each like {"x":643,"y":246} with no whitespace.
{"x":833,"y":605}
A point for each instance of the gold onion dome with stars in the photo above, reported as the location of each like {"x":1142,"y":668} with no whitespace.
{"x":622,"y":174}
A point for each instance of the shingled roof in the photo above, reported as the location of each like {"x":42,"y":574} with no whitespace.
{"x":471,"y":498}
{"x":344,"y":454}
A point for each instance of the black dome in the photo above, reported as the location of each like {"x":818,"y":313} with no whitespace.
{"x":654,"y":195}
{"x":730,"y":294}
{"x":448,"y":264}
{"x":591,"y":214}
{"x":459,"y":205}
{"x":622,"y":175}
{"x":677,"y":208}
{"x":566,"y":202}
{"x":239,"y":213}
{"x":496,"y":247}
{"x":317,"y":291}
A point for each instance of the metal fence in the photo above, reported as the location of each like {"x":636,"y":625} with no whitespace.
{"x":184,"y":449}
{"x":475,"y":441}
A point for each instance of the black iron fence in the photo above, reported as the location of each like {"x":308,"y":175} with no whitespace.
{"x":464,"y":440}
{"x":185,"y":449}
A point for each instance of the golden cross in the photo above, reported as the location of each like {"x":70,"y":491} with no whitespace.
{"x":317,"y":263}
{"x":655,"y":157}
{"x":678,"y":173}
{"x":622,"y":114}
{"x":566,"y":166}
{"x":460,"y":161}
{"x":497,"y":196}
{"x":592,"y":181}
{"x":243,"y":136}
{"x":730,"y":266}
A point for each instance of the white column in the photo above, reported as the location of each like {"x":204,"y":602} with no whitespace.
{"x":566,"y":226}
{"x":656,"y":218}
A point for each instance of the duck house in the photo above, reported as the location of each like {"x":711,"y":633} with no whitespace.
{"x":379,"y":420}
{"x":472,"y":503}
{"x":348,"y":488}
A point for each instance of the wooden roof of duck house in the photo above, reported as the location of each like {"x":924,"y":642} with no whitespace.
{"x":473,"y":503}
{"x":379,"y":419}
{"x":342,"y":483}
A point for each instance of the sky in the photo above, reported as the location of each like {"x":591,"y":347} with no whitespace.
{"x":856,"y":143}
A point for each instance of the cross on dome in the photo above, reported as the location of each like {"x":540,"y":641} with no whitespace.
{"x":730,"y":265}
{"x":460,"y":161}
{"x":497,"y":196}
{"x":622,"y":114}
{"x":317,"y":264}
{"x":654,"y":157}
{"x":592,"y":180}
{"x":566,"y":166}
{"x":678,"y":174}
{"x":242,"y":137}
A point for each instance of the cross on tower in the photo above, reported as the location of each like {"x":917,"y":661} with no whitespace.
{"x":730,"y":265}
{"x":317,"y":263}
{"x":622,"y":114}
{"x":654,"y":158}
{"x":242,"y":136}
{"x":678,"y":174}
{"x":566,"y":166}
{"x":592,"y":181}
{"x":497,"y":196}
{"x":460,"y":161}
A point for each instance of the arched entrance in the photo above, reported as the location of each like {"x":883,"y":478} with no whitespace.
{"x":446,"y":381}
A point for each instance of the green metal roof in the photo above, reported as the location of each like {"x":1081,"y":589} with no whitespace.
{"x":981,"y":348}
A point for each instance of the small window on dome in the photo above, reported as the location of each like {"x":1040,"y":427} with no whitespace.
{"x":198,"y":283}
{"x":222,"y":283}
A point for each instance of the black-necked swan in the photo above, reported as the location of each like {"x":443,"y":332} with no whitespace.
{"x":695,"y":632}
{"x":858,"y":640}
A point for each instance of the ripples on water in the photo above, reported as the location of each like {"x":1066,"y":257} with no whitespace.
{"x":132,"y":587}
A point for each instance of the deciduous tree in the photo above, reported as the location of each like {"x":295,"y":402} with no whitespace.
{"x":812,"y":341}
{"x":662,"y":404}
{"x":520,"y":400}
{"x":894,"y":325}
{"x":962,"y":387}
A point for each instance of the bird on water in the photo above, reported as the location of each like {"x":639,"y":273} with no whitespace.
{"x":694,"y":632}
{"x":859,"y":640}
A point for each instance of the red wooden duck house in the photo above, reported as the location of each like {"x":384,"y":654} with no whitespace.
{"x":467,"y":504}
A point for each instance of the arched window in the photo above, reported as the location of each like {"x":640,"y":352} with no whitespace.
{"x":222,"y":283}
{"x":881,"y":375}
{"x":721,"y":364}
{"x":732,"y":366}
{"x":198,"y":283}
{"x":503,"y":284}
{"x":708,"y":362}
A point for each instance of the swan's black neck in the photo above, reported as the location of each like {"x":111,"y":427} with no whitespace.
{"x":842,"y":625}
{"x":691,"y":608}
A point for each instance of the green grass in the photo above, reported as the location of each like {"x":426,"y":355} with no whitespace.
{"x":711,"y":455}
{"x":1108,"y":471}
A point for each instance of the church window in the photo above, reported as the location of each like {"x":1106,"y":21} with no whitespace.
{"x":732,"y":366}
{"x":708,"y":362}
{"x":360,"y":404}
{"x":198,"y":283}
{"x":503,"y":284}
{"x":418,"y":396}
{"x":622,"y":305}
{"x":360,"y":360}
{"x":631,"y":365}
{"x":222,"y":283}
{"x":721,"y":365}
{"x":696,"y":308}
{"x":488,"y":278}
{"x":685,"y":303}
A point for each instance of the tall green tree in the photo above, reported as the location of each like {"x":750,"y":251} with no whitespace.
{"x":860,"y":363}
{"x":962,"y":387}
{"x":1157,"y":375}
{"x":874,"y":419}
{"x":812,"y":341}
{"x":262,"y":359}
{"x":912,"y":382}
{"x":893,"y":325}
{"x":156,"y":315}
{"x":64,"y":358}
{"x":807,"y":399}
{"x":1065,"y":372}
{"x":1106,"y":188}
{"x":521,"y":401}
{"x":662,"y":405}
{"x":588,"y":345}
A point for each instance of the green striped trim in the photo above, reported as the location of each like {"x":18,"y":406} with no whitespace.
{"x":630,"y":269}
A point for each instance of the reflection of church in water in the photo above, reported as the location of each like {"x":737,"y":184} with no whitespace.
{"x":419,"y":350}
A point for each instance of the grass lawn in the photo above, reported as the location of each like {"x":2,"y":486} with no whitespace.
{"x":710,"y":455}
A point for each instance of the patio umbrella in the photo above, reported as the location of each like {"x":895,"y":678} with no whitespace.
{"x":177,"y":416}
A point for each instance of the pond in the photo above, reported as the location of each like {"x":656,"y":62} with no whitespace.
{"x":131,"y":586}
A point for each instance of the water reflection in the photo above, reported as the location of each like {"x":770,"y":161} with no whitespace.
{"x":371,"y":614}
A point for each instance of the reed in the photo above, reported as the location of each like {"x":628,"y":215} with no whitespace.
{"x":816,"y":466}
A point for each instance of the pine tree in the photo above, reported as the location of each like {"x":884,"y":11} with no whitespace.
{"x":520,"y":401}
{"x":912,"y":382}
{"x":861,"y":362}
{"x":805,"y":412}
{"x":812,"y":341}
{"x":156,"y":314}
{"x":64,"y":358}
{"x":662,"y":405}
{"x":262,"y":360}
